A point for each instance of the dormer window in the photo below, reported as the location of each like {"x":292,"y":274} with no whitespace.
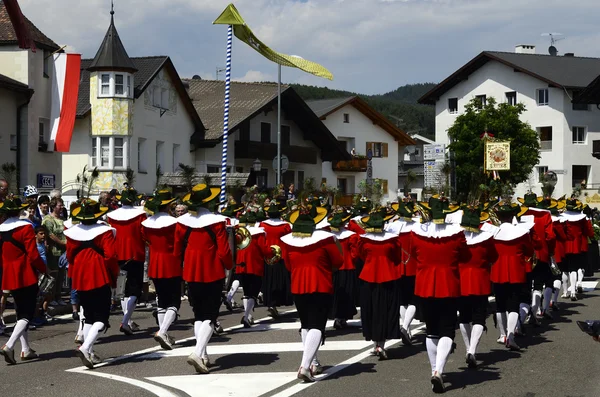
{"x":115,"y":84}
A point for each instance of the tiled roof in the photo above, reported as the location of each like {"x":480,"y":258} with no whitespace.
{"x":557,"y":71}
{"x":245,"y":100}
{"x":14,"y":85}
{"x":112,"y":54}
{"x":324,"y":106}
{"x":8,"y":36}
{"x":146,"y":67}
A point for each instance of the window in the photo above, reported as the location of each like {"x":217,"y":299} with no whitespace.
{"x":378,"y":149}
{"x":511,"y":98}
{"x":288,"y":177}
{"x":342,"y":185}
{"x":285,"y":135}
{"x":300,"y":184}
{"x":239,"y":169}
{"x":580,"y":174}
{"x":176,"y":160}
{"x":47,"y":57}
{"x":164,"y":95}
{"x":13,"y":142}
{"x":115,"y":85}
{"x":453,"y":105}
{"x":156,"y":97}
{"x":579,"y":106}
{"x":265,"y":132}
{"x":545,"y":134}
{"x":109,"y":152}
{"x":43,"y":134}
{"x":160,"y":155}
{"x":262,"y":178}
{"x":245,"y":132}
{"x":119,"y":85}
{"x":481,"y":101}
{"x":542,"y":169}
{"x":213,"y":169}
{"x":346,"y":118}
{"x":141,"y":153}
{"x":384,"y":186}
{"x":579,"y":135}
{"x":542,"y":97}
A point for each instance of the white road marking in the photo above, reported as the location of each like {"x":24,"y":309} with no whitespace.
{"x":589,"y":285}
{"x":228,"y":385}
{"x":156,"y":390}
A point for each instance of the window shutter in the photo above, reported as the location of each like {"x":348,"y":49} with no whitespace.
{"x":369,"y":147}
{"x":384,"y":186}
{"x":384,"y":149}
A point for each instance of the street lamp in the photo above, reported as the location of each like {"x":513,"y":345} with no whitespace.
{"x":257,"y":167}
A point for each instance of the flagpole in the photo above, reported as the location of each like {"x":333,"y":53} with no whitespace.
{"x":278,"y":124}
{"x":226,"y":114}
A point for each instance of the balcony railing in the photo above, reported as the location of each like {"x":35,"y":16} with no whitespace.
{"x":546,"y":146}
{"x":268,"y":151}
{"x":354,"y":165}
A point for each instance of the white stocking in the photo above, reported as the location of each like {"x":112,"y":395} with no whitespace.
{"x":557,"y":285}
{"x":130,"y":308}
{"x":547,"y":299}
{"x":476,"y":333}
{"x":124,"y":304}
{"x":465,"y":330}
{"x":565,"y":283}
{"x":234,"y":287}
{"x":501,"y":320}
{"x":536,"y":300}
{"x":402,"y":314}
{"x":24,"y":339}
{"x":513,"y":318}
{"x":170,"y":316}
{"x":248,"y":307}
{"x":311,"y":345}
{"x":523,"y":312}
{"x":579,"y":276}
{"x":203,"y":331}
{"x":432,"y":345}
{"x":410,"y":315}
{"x":443,"y":351}
{"x":573,"y":280}
{"x":86,"y":330}
{"x":20,"y":329}
{"x":160,"y":316}
{"x":90,"y":338}
{"x":303,"y":333}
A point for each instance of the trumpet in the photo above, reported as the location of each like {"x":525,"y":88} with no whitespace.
{"x":276,"y":250}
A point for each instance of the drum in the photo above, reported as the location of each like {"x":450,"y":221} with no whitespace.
{"x":45,"y":283}
{"x":120,"y":290}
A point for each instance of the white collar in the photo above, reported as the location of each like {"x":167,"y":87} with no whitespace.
{"x":525,"y":219}
{"x":398,"y":227}
{"x":455,"y":217}
{"x":125,"y":213}
{"x":476,"y":238}
{"x":379,"y":236}
{"x":323,"y":224}
{"x":432,"y":230}
{"x":201,"y":219}
{"x":343,"y":234}
{"x":159,"y":221}
{"x":559,"y":219}
{"x":255,"y":230}
{"x":509,"y":232}
{"x":538,"y":209}
{"x":87,"y":232}
{"x":569,"y":216}
{"x":234,"y":221}
{"x":317,"y":236}
{"x":13,"y":223}
{"x":274,"y":222}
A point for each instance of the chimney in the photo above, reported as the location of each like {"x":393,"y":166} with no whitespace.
{"x":570,"y":54}
{"x":525,"y":49}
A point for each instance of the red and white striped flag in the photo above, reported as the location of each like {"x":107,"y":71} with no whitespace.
{"x":65,"y":91}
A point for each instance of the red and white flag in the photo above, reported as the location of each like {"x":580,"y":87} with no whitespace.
{"x":65,"y":91}
{"x":19,"y":24}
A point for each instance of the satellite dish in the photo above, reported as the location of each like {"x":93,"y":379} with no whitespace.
{"x":196,"y":77}
{"x":411,"y":150}
{"x":553,"y":39}
{"x":552,"y":50}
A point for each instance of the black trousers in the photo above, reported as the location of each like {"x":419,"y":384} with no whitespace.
{"x":508,"y":296}
{"x":313,"y":309}
{"x":542,"y":276}
{"x":472,"y":309}
{"x":440,"y":316}
{"x":135,"y":277}
{"x":206,"y":299}
{"x":252,"y":284}
{"x":96,"y":304}
{"x":25,"y":301}
{"x":168,"y":291}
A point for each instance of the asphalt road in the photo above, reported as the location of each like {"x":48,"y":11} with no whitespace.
{"x":557,"y":360}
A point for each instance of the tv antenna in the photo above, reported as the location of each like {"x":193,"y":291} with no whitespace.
{"x":553,"y":39}
{"x":219,"y":70}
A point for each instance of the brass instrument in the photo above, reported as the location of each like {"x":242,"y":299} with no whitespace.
{"x":239,"y":238}
{"x":423,"y":213}
{"x":276,"y":250}
{"x":243,"y":238}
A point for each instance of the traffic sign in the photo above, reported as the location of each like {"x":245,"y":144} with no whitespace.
{"x":285,"y":163}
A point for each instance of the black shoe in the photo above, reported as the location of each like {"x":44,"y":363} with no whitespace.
{"x":471,"y":362}
{"x":76,"y":316}
{"x":554,"y":306}
{"x":547,"y":315}
{"x":580,"y":290}
{"x":273,"y":312}
{"x":246,"y":323}
{"x":573,"y":298}
{"x":228,"y":305}
{"x":437,"y":384}
{"x":337,"y":324}
{"x":405,"y":337}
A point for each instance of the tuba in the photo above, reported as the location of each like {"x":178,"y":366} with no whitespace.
{"x":276,"y":250}
{"x":239,"y":238}
{"x":243,"y":238}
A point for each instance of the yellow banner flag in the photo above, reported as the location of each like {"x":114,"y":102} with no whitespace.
{"x":231,"y":16}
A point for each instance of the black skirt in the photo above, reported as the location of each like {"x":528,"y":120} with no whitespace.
{"x":313,"y":309}
{"x":380,"y":310}
{"x":407,"y":290}
{"x":276,"y":286}
{"x":345,"y":294}
{"x":576,"y":261}
{"x":251,"y":284}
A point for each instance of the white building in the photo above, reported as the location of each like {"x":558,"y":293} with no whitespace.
{"x":360,"y":127}
{"x":546,"y":85}
{"x":25,"y":99}
{"x":253,"y":133}
{"x":132,"y":113}
{"x":412,"y":161}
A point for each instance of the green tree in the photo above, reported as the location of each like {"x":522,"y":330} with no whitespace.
{"x":504,"y":122}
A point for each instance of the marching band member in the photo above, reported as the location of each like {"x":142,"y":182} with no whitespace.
{"x":515,"y":249}
{"x":559,"y":253}
{"x":202,"y":241}
{"x":250,"y":264}
{"x":361,"y":209}
{"x":311,"y":257}
{"x":408,"y":267}
{"x":230,"y":212}
{"x":93,"y":269}
{"x":438,"y":248}
{"x":379,"y":296}
{"x":345,"y":279}
{"x":578,"y":229}
{"x":589,"y":233}
{"x":164,"y":266}
{"x":475,"y":284}
{"x":21,"y":263}
{"x":276,"y":283}
{"x":131,"y":252}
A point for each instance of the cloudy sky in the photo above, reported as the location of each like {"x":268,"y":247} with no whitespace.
{"x":370,"y":46}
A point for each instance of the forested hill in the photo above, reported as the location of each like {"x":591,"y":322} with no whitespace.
{"x":398,"y":104}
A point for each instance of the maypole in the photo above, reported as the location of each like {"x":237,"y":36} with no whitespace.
{"x":226,"y":114}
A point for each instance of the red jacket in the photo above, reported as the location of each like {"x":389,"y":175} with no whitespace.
{"x":380,"y":258}
{"x":130,"y":243}
{"x":354,"y":227}
{"x":254,"y":256}
{"x":275,"y":231}
{"x":207,"y":252}
{"x":20,"y":267}
{"x":587,"y":232}
{"x":475,"y":268}
{"x":89,"y":269}
{"x":349,"y":242}
{"x":544,"y":230}
{"x":437,"y":265}
{"x":163,"y":261}
{"x":576,"y":232}
{"x":408,"y":266}
{"x":311,"y":266}
{"x":561,"y":238}
{"x":513,"y":258}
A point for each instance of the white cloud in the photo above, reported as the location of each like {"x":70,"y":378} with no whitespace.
{"x":255,"y":76}
{"x":369,"y":45}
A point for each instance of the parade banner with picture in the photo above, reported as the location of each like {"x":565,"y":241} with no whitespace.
{"x":497,"y":156}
